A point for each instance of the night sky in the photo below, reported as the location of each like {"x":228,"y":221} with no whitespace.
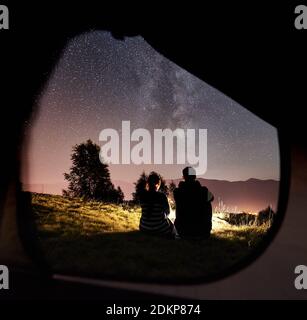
{"x":100,"y":81}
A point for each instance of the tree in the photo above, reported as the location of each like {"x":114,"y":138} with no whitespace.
{"x":140,"y":186}
{"x":89,"y":177}
{"x":164,"y":187}
{"x":172,"y":187}
{"x":120,"y":195}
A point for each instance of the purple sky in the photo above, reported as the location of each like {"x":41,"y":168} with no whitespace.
{"x":100,"y":81}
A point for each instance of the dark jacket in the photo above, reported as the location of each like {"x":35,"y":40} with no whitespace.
{"x":193,"y":209}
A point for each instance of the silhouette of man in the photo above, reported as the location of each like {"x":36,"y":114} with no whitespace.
{"x":193,"y":206}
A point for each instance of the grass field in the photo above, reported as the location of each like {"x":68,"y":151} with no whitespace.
{"x":103,"y":240}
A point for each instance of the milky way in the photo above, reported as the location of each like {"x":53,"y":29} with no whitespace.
{"x":100,"y":81}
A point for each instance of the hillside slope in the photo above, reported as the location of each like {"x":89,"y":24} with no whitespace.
{"x":98,"y":239}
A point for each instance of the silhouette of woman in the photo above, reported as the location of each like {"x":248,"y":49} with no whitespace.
{"x":155,"y":209}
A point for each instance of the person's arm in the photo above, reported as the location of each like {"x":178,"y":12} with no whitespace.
{"x":210,"y":196}
{"x":207,"y":194}
{"x":175,"y":193}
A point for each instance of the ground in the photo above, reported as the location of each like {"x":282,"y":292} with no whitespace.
{"x":99,"y":239}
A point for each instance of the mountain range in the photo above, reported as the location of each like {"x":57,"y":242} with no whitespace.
{"x":251,"y":195}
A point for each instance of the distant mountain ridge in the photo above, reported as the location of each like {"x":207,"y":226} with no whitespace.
{"x":251,"y":195}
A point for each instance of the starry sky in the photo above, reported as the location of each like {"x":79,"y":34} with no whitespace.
{"x":100,"y":81}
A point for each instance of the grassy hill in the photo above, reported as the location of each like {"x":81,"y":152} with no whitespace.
{"x":98,"y":239}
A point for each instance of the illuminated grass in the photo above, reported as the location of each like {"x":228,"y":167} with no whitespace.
{"x":100,"y":239}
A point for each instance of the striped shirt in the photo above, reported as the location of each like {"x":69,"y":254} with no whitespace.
{"x":155,"y":209}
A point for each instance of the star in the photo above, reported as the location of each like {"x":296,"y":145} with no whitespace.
{"x":100,"y":81}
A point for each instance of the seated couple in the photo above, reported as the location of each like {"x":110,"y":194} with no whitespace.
{"x":193,"y":208}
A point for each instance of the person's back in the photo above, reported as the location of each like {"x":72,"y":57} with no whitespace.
{"x":193,"y":208}
{"x":155,"y":209}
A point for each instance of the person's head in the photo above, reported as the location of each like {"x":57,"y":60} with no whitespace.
{"x":189,"y":174}
{"x":153,"y":182}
